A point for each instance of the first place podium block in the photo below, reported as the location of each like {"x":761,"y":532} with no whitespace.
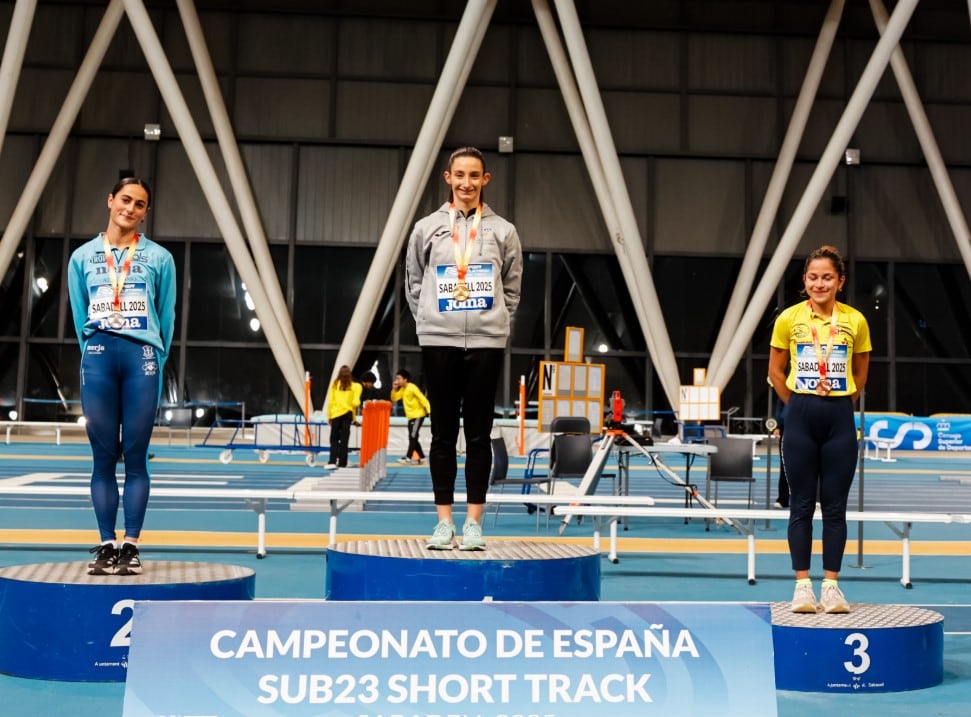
{"x":405,"y":569}
{"x":59,"y":623}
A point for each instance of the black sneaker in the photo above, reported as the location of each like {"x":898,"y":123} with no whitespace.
{"x":128,"y":562}
{"x":105,"y":560}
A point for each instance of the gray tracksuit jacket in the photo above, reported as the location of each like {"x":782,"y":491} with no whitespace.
{"x":494,"y":280}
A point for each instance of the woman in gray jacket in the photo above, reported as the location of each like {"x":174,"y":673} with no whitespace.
{"x":463,"y":274}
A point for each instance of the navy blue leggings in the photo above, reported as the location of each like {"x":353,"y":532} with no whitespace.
{"x":819,"y":449}
{"x":120,"y":382}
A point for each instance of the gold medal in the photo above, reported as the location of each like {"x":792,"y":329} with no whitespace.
{"x":462,"y":292}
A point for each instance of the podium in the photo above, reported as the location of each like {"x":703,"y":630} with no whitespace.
{"x":405,"y":569}
{"x":59,"y":623}
{"x":873,"y":648}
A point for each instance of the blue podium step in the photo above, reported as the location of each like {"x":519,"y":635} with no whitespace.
{"x":519,"y":571}
{"x":873,"y":648}
{"x":59,"y":623}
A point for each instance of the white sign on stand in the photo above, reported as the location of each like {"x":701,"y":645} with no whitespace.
{"x":700,"y":403}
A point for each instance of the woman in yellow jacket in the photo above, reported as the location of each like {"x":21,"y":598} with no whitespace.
{"x":345,"y":397}
{"x":416,"y":408}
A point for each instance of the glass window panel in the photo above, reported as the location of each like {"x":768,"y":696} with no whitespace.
{"x":694,"y":292}
{"x":529,"y":324}
{"x":407,"y":329}
{"x":526,"y":365}
{"x":327,"y":284}
{"x":52,"y":391}
{"x":177,"y":249}
{"x":878,"y":390}
{"x":932,"y":310}
{"x":869,"y":292}
{"x":238,"y":374}
{"x":45,"y":288}
{"x":11,"y":296}
{"x":219,"y":308}
{"x":625,"y":374}
{"x":928,"y":387}
{"x":588,"y":291}
{"x":8,"y":377}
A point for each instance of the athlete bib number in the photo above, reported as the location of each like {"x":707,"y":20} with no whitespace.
{"x":807,"y":367}
{"x":480,"y":281}
{"x":132,"y":312}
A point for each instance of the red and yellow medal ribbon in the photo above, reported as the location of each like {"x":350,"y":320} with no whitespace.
{"x":462,"y":259}
{"x":117,"y":278}
{"x":820,"y":359}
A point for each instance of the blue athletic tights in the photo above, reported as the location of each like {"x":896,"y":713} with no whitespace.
{"x":819,"y":450}
{"x":120,"y":381}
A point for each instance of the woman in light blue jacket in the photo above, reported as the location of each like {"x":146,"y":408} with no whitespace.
{"x":122,"y":288}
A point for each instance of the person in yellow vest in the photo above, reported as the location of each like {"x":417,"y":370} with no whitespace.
{"x":416,"y":408}
{"x":345,"y":397}
{"x":826,"y":346}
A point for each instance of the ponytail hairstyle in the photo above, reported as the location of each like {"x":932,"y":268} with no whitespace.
{"x":466,"y":152}
{"x":133,"y":180}
{"x":827,"y":252}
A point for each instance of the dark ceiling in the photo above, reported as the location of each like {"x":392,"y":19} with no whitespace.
{"x":945,"y":20}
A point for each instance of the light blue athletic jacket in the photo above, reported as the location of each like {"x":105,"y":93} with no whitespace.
{"x":152,"y":265}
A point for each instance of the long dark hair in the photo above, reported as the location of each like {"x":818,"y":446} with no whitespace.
{"x":133,"y":180}
{"x":344,"y":378}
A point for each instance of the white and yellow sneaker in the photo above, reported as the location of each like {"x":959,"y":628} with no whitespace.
{"x":803,"y":599}
{"x":832,"y":601}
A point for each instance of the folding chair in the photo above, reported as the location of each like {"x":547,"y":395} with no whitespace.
{"x":731,"y":464}
{"x":499,"y":478}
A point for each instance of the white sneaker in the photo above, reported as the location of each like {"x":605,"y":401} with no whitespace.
{"x":472,"y":536}
{"x":330,"y":466}
{"x":443,"y":536}
{"x":803,"y":599}
{"x":832,"y":601}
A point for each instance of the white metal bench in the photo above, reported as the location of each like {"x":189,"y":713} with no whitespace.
{"x":873,"y":446}
{"x":745,"y":518}
{"x":53,"y":427}
{"x":254,"y":499}
{"x":336,"y":502}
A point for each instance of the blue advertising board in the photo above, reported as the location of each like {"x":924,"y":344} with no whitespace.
{"x":917,"y":433}
{"x":365,"y":659}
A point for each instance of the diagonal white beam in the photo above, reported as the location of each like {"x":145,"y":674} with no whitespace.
{"x":455,"y":72}
{"x":874,"y":69}
{"x":588,"y":147}
{"x":777,"y":183}
{"x":631,"y":254}
{"x":13,"y":60}
{"x":212,"y":189}
{"x":242,"y":190}
{"x":20,"y":218}
{"x":928,"y":143}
